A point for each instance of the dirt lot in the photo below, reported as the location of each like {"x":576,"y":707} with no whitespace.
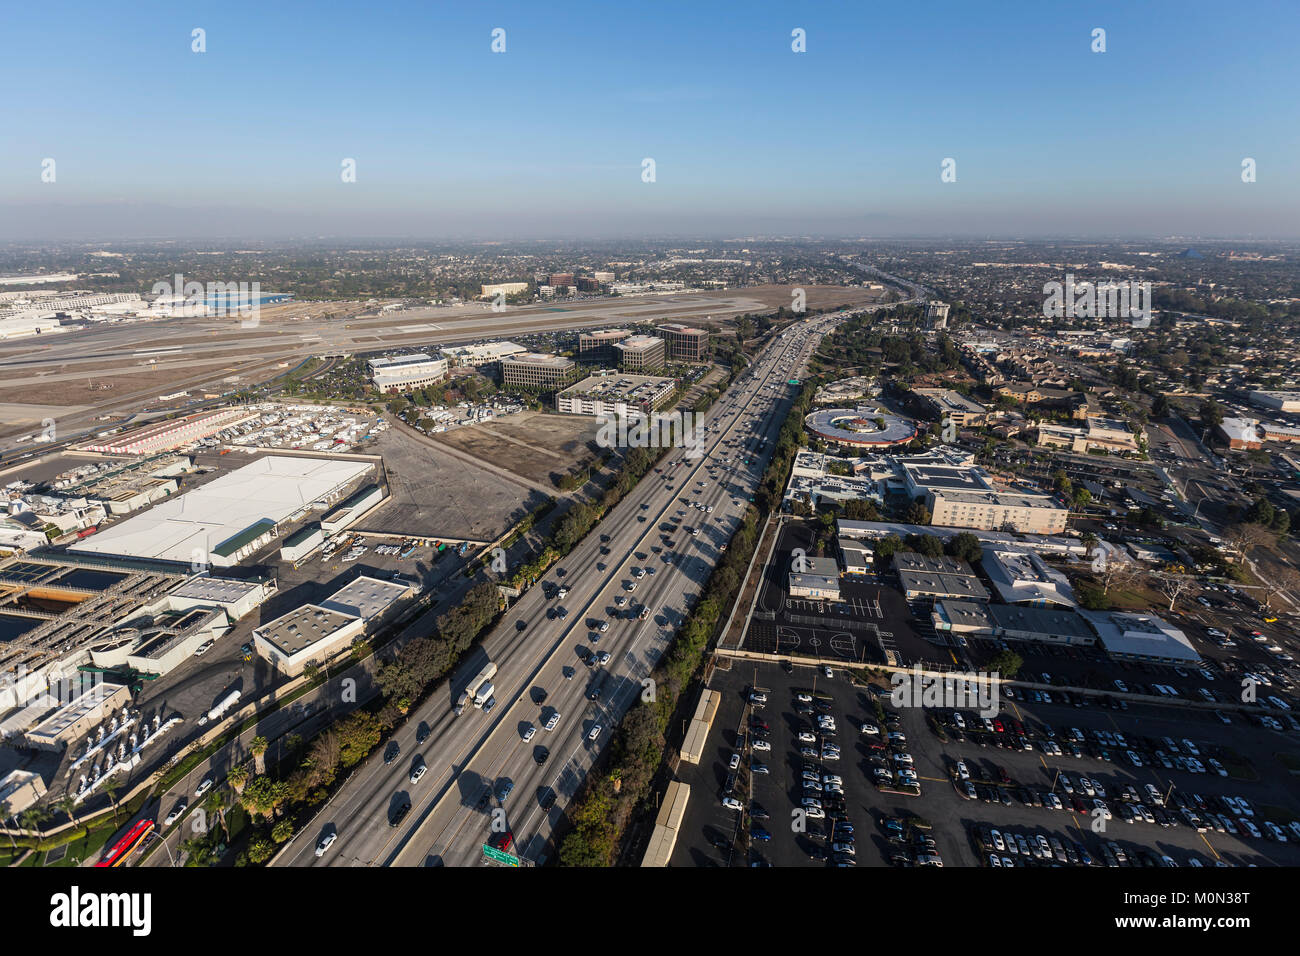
{"x":536,"y":446}
{"x":437,"y":496}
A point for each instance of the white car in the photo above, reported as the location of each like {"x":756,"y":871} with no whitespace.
{"x":594,"y":732}
{"x":731,"y":803}
{"x":529,"y":731}
{"x":761,"y":745}
{"x":964,"y":774}
{"x":204,"y":786}
{"x":871,"y":730}
{"x":326,"y":843}
{"x":418,"y":773}
{"x":807,"y":738}
{"x":552,"y":721}
{"x":175,"y":814}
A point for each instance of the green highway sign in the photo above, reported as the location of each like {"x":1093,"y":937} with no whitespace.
{"x":492,"y":853}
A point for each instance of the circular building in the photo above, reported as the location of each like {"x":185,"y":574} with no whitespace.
{"x":864,"y":427}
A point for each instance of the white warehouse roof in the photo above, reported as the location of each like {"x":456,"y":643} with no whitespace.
{"x":271,"y":488}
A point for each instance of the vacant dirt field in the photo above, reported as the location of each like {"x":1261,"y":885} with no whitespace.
{"x":534,"y":445}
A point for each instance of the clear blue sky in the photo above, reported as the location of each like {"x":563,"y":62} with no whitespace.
{"x":748,"y":137}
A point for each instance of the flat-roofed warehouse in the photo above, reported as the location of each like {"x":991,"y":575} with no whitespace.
{"x":172,"y":433}
{"x":314,"y":633}
{"x":228,"y":519}
{"x":77,"y":717}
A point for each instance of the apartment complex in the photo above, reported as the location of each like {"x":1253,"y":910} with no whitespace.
{"x":536,"y":370}
{"x":1097,"y":433}
{"x":949,"y":405}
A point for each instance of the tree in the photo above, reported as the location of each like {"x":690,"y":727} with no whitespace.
{"x":111,"y":786}
{"x":1279,"y":580}
{"x":68,"y":805}
{"x":917,"y":513}
{"x":6,"y":811}
{"x":238,"y":778}
{"x":282,"y":831}
{"x":1246,"y":537}
{"x":965,"y":547}
{"x":258,"y":747}
{"x":260,"y":850}
{"x":887,"y":547}
{"x":1005,"y":663}
{"x":1172,"y":586}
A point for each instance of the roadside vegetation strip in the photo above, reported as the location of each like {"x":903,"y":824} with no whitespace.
{"x":84,"y":838}
{"x":614,"y":802}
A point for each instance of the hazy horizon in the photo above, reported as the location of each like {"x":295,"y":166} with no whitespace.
{"x":847,"y":139}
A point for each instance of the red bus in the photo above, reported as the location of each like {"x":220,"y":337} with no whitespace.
{"x":123,"y":848}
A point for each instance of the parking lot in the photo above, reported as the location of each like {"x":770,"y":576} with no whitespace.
{"x":871,"y":622}
{"x":1013,"y":790}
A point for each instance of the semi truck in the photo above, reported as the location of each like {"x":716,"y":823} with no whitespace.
{"x":224,"y":705}
{"x":479,"y":688}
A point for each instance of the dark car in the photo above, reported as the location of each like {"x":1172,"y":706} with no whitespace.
{"x":540,"y":755}
{"x":545,"y":797}
{"x":422,"y":733}
{"x":504,"y":788}
{"x":400,"y":813}
{"x":393,"y":752}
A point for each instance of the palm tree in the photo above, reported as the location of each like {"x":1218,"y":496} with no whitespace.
{"x":218,"y":801}
{"x":238,"y":778}
{"x":110,"y":787}
{"x":258,"y":747}
{"x":68,"y":804}
{"x":5,"y":813}
{"x":32,"y":818}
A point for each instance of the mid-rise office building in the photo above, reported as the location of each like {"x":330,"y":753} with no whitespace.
{"x":598,"y":347}
{"x":537,"y":370}
{"x":396,"y":373}
{"x":685,"y":344}
{"x":503,"y":288}
{"x":641,"y":353}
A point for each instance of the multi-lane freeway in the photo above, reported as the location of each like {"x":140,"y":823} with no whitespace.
{"x":550,"y":654}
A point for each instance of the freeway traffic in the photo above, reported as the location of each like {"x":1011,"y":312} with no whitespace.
{"x":550,"y":651}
